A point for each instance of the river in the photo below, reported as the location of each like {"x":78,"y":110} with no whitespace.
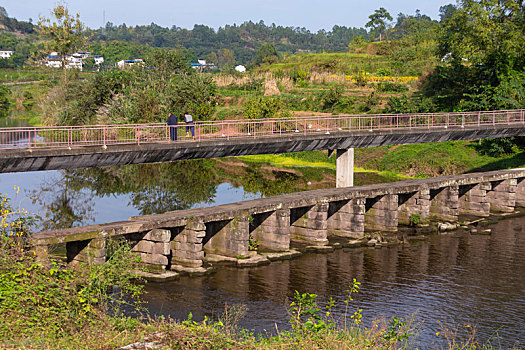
{"x":449,"y":280}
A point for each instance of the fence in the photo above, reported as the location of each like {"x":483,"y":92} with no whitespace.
{"x":104,"y":135}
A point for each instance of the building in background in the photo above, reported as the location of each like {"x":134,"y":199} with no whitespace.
{"x":123,"y":64}
{"x":6,"y":53}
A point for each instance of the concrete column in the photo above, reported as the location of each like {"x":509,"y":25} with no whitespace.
{"x":473,"y":199}
{"x":502,"y":197}
{"x":347,"y":218}
{"x":381,"y":213}
{"x":345,"y":168}
{"x":444,"y":203}
{"x":309,"y":224}
{"x":415,"y":203}
{"x":91,"y":251}
{"x":186,"y":247}
{"x":520,"y":192}
{"x":272,"y":230}
{"x":228,"y":238}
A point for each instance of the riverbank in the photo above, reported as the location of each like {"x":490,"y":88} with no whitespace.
{"x":50,"y":297}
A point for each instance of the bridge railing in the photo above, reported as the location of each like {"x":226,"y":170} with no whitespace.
{"x":103,"y":135}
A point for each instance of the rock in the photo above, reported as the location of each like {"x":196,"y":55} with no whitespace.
{"x":253,"y":261}
{"x":372,"y":242}
{"x":355,"y":243}
{"x":319,"y":249}
{"x":165,"y":276}
{"x":215,"y":259}
{"x":518,"y":228}
{"x":282,"y":255}
{"x":193,"y":271}
{"x":445,"y":226}
{"x":473,"y":231}
{"x":141,"y":345}
{"x":487,"y":231}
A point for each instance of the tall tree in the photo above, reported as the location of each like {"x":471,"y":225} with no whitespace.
{"x":65,"y":32}
{"x":378,"y":21}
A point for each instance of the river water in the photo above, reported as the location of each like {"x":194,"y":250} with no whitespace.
{"x":446,"y":281}
{"x":458,"y":282}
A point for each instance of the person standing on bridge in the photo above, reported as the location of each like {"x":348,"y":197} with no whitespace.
{"x":188,"y":119}
{"x":172,"y":125}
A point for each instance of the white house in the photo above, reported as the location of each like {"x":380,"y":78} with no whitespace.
{"x":73,"y":61}
{"x":6,"y":53}
{"x":98,"y":59}
{"x":240,"y":68}
{"x":129,"y":63}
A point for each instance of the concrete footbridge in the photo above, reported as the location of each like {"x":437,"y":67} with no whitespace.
{"x":69,"y":147}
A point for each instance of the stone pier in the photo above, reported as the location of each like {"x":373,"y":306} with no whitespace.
{"x":502,"y":196}
{"x":186,"y":247}
{"x":381,"y":213}
{"x":413,"y":204}
{"x":473,"y":199}
{"x":347,"y":218}
{"x":153,"y":248}
{"x":272,"y":230}
{"x":444,"y":203}
{"x":228,"y":237}
{"x":309,"y":224}
{"x":520,"y":192}
{"x":91,"y":251}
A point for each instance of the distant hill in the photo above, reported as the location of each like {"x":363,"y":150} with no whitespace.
{"x":242,"y":39}
{"x":13,"y":25}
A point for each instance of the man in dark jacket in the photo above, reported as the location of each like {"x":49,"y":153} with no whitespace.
{"x":172,"y":125}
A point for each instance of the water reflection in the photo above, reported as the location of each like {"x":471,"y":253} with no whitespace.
{"x":452,"y":280}
{"x":78,"y":197}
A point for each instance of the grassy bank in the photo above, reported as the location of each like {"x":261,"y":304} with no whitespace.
{"x":405,"y":161}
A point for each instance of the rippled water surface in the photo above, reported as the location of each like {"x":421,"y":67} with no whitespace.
{"x":453,"y":281}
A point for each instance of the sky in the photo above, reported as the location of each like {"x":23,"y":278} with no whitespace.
{"x":313,"y":15}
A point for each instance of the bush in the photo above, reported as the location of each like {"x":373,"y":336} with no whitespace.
{"x":261,"y":107}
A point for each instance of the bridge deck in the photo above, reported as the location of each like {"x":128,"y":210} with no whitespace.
{"x":20,"y":160}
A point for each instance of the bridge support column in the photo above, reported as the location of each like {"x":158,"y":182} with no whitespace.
{"x":91,"y":251}
{"x":347,"y":218}
{"x":345,"y":168}
{"x":473,"y":199}
{"x":381,"y":213}
{"x":186,"y":247}
{"x":229,"y":237}
{"x":520,"y":192}
{"x":411,"y":204}
{"x":309,"y":224}
{"x":444,"y":203}
{"x":502,"y":197}
{"x":153,"y":248}
{"x":272,"y":230}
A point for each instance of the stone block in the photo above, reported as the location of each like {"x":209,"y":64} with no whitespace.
{"x":154,"y":259}
{"x":151,"y":247}
{"x":158,"y":235}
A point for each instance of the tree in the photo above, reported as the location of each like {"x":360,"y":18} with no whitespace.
{"x":4,"y":100}
{"x":378,"y":21}
{"x":64,"y":31}
{"x":266,"y":54}
{"x":225,"y":59}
